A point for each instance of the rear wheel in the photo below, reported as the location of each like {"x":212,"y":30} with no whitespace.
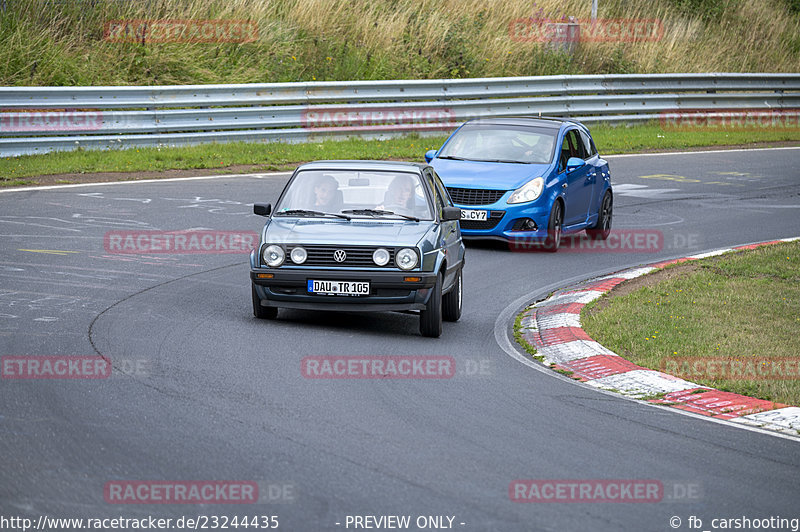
{"x":260,"y":312}
{"x":451,"y":302}
{"x":602,"y":228}
{"x":554,"y":227}
{"x":430,"y":319}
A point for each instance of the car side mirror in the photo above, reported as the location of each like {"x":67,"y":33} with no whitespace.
{"x":451,"y":213}
{"x":573,"y":163}
{"x":429,"y":155}
{"x":262,"y":209}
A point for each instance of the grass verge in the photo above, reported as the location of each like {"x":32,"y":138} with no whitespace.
{"x":739,"y":307}
{"x":243,"y":157}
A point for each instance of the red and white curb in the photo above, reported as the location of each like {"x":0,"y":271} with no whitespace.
{"x":553,"y":327}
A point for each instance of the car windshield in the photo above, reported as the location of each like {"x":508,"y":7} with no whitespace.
{"x":355,"y":194}
{"x":501,"y":144}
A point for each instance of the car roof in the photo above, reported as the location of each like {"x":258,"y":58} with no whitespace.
{"x":397,"y":166}
{"x":532,"y":121}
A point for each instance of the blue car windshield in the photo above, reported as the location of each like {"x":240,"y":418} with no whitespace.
{"x":357,"y":193}
{"x":495,"y":143}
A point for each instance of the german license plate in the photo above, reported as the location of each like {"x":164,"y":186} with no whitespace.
{"x":338,"y":288}
{"x":474,"y":215}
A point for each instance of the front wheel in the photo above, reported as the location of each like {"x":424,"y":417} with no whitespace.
{"x":451,"y":302}
{"x":260,"y":312}
{"x":602,"y":228}
{"x":430,"y":319}
{"x":554,"y":227}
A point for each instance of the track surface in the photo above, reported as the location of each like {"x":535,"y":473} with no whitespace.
{"x":219,"y":395}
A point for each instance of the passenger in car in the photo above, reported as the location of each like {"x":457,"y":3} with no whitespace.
{"x":399,"y":196}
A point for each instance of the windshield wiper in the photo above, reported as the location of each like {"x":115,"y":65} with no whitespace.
{"x":306,"y":212}
{"x":453,"y":157}
{"x":380,"y":212}
{"x":500,"y":161}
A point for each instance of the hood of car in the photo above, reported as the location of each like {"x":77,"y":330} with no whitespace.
{"x":336,"y":231}
{"x":489,"y":176}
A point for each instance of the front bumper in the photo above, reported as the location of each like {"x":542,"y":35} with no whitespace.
{"x":388,"y":289}
{"x":503,"y":229}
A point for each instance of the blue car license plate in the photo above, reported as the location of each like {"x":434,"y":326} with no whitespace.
{"x":338,"y":288}
{"x":480,"y":216}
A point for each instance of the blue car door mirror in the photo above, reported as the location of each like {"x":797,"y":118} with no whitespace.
{"x":573,"y":163}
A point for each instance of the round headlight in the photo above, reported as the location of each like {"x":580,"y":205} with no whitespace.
{"x":298,"y":255}
{"x":274,"y":255}
{"x":381,"y":257}
{"x":406,"y":259}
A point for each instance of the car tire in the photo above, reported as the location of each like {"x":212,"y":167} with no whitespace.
{"x":451,"y":301}
{"x":261,"y":312}
{"x":602,"y":228}
{"x":554,"y":228}
{"x":430,"y":319}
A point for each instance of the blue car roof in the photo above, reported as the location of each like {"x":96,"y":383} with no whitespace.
{"x":399,"y":166}
{"x":532,"y":121}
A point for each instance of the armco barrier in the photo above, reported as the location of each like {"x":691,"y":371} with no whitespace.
{"x":43,"y":119}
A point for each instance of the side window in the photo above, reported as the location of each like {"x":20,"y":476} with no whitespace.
{"x":442,"y":191}
{"x":591,"y":151}
{"x":437,"y":198}
{"x":565,"y":152}
{"x":578,"y":148}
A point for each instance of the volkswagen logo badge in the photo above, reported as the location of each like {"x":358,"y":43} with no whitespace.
{"x":339,"y":255}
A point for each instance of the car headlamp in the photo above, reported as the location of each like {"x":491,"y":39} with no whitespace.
{"x":406,"y":259}
{"x":298,"y":255}
{"x":381,"y":257}
{"x":528,"y":192}
{"x":274,"y":255}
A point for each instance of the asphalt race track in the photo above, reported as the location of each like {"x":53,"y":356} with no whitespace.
{"x":201,"y":390}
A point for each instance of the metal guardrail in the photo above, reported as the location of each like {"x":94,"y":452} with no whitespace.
{"x":43,"y":119}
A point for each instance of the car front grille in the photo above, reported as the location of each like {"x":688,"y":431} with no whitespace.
{"x":490,"y":223}
{"x":356,"y":256}
{"x":474,"y":196}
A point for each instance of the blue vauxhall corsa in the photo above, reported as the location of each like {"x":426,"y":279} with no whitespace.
{"x":361,"y":236}
{"x":526,"y":180}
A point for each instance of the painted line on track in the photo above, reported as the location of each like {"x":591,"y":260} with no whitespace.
{"x":599,"y":364}
{"x":138,"y":181}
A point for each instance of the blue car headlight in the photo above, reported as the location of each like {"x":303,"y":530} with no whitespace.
{"x":528,"y":192}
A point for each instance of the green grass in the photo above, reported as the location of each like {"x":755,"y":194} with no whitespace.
{"x":282,"y":156}
{"x":521,"y":340}
{"x":739,"y":306}
{"x":62,"y":43}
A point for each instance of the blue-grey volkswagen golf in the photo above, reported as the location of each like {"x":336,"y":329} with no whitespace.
{"x":361,"y":236}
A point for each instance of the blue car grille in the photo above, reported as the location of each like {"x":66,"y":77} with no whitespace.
{"x":357,"y":256}
{"x":491,"y":223}
{"x":474,"y":196}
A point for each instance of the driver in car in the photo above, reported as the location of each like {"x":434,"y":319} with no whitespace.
{"x":326,"y":194}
